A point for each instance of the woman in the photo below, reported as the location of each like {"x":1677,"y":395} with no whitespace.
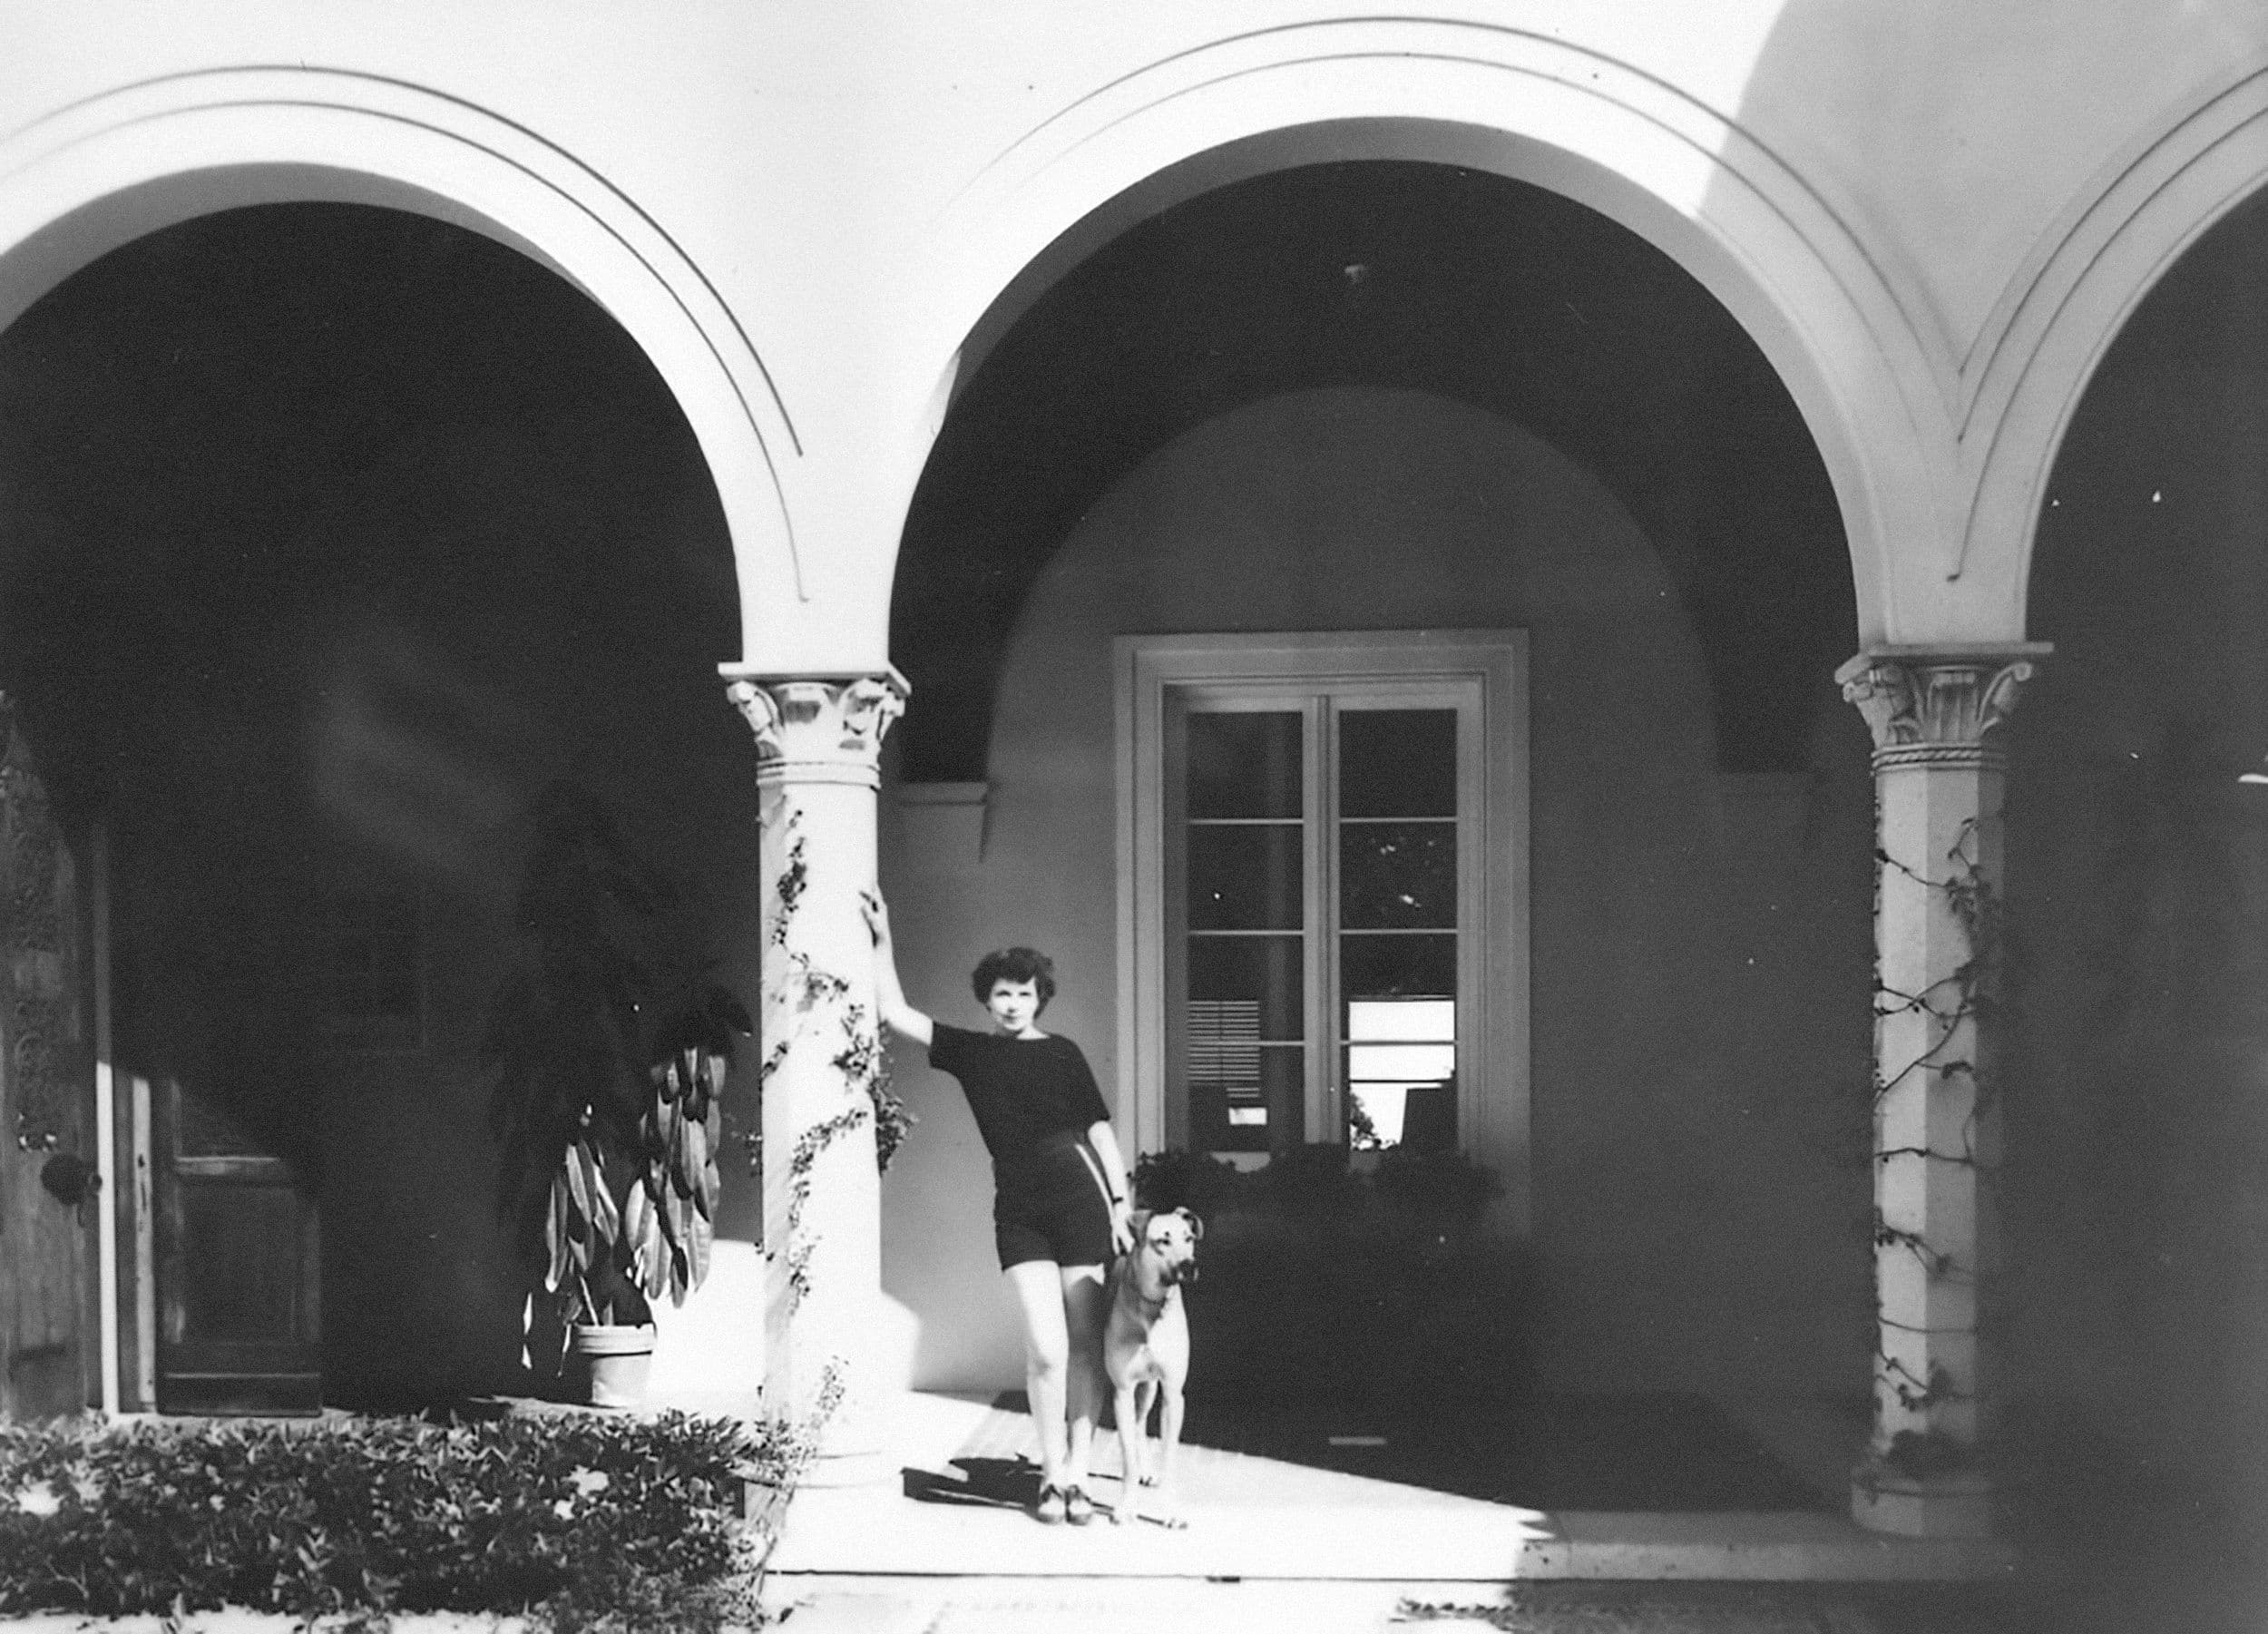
{"x":1061,"y":1204}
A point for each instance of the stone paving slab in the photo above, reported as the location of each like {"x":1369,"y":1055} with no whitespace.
{"x":975,"y":1606}
{"x":1258,"y":1518}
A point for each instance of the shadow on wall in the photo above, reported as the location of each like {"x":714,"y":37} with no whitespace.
{"x":403,"y":527}
{"x":2138,"y":873}
{"x":1700,"y":963}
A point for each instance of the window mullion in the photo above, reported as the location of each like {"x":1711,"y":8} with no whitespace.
{"x":1174,"y":888}
{"x":1320,"y":811}
{"x":1472,"y":880}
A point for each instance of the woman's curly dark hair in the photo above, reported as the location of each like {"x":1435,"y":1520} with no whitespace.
{"x":1014,"y":964}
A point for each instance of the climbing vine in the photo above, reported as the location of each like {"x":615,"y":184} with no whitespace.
{"x":801,"y":1245}
{"x":1968,"y":996}
{"x":862,"y":1062}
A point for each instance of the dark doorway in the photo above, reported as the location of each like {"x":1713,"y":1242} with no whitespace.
{"x":328,"y":536}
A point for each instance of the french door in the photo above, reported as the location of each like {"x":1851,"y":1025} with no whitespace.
{"x":1323,"y":893}
{"x":1323,"y":911}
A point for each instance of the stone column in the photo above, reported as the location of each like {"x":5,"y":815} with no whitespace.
{"x":1938,"y":780}
{"x":819,"y":738}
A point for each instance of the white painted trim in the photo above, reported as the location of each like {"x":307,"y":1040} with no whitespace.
{"x":145,"y":1248}
{"x":1844,"y":321}
{"x":102,"y":172}
{"x":107,"y":1200}
{"x":2071,"y":300}
{"x":1496,"y":1125}
{"x":943,"y":822}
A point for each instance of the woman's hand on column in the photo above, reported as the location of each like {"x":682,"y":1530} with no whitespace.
{"x":898,"y":1015}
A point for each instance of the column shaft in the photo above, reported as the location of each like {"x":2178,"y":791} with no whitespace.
{"x":1938,"y":787}
{"x":818,"y":740}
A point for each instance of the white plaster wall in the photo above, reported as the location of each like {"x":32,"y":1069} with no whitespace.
{"x":818,"y":164}
{"x":1700,"y":980}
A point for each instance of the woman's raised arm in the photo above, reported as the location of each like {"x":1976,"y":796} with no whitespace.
{"x":898,"y":1015}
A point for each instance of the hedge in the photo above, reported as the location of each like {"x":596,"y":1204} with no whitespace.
{"x":580,"y":1520}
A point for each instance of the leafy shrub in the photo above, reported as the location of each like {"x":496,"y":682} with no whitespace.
{"x":1195,"y":1180}
{"x":579,"y":1518}
{"x":1438,"y":1183}
{"x":1314,"y":1182}
{"x":1310,"y":1183}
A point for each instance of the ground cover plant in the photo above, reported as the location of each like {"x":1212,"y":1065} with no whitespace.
{"x":580,"y":1521}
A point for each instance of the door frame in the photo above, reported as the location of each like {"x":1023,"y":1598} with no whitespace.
{"x":1495,"y":1124}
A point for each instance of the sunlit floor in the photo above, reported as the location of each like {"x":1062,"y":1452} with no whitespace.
{"x":955,"y":1507}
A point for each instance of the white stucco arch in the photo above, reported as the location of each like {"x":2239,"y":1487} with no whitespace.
{"x":1874,"y":388}
{"x":2106,"y":252}
{"x":102,"y":171}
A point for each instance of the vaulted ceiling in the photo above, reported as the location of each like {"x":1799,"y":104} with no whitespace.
{"x":1458,"y":282}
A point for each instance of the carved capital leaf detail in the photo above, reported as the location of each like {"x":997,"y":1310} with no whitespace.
{"x":1924,"y":702}
{"x":1884,"y":695}
{"x":819,"y":729}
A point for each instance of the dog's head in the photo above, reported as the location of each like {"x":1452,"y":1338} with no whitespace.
{"x":1167,"y":1240}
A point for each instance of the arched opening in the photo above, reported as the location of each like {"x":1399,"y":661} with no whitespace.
{"x":1427,"y":277}
{"x":2138,"y":830}
{"x":329,"y":537}
{"x":1357,"y":409}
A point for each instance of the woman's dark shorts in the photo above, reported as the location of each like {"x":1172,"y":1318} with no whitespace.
{"x":1053,"y":1207}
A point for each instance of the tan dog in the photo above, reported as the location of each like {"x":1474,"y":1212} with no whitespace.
{"x":1146,"y":1351}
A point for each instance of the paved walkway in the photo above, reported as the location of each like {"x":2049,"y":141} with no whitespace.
{"x":1270,"y":1544}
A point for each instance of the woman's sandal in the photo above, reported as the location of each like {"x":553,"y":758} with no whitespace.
{"x":1078,"y":1508}
{"x":1051,"y":1506}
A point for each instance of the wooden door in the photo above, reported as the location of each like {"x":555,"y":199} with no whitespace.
{"x":239,"y":1271}
{"x":48,"y":1341}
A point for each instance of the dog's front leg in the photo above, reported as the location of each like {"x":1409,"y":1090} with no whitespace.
{"x":1169,"y":1444}
{"x":1127,"y":1403}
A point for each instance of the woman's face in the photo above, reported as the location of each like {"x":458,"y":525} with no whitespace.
{"x":1015,"y":1005}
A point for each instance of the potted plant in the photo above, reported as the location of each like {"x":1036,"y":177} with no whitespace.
{"x":604,"y":1099}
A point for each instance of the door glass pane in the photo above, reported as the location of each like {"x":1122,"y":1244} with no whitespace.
{"x":1400,"y":1022}
{"x":1244,"y":765}
{"x":1380,"y":1020}
{"x":1246,"y":877}
{"x":1247,"y":1099}
{"x":1414,"y":1063}
{"x":1397,"y":875}
{"x":1254,"y":982}
{"x":1398,"y":763}
{"x":1405,"y":965}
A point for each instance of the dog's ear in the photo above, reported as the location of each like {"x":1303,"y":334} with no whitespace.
{"x":1139,"y":1223}
{"x":1197,"y":1226}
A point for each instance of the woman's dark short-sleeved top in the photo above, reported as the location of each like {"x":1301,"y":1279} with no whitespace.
{"x":1024,"y":1090}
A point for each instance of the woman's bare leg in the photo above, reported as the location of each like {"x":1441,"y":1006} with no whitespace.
{"x":1084,"y":1310}
{"x":1038,"y":1285}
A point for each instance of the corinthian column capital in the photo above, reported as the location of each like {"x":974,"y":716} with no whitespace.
{"x":1938,"y":706}
{"x":817,"y":729}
